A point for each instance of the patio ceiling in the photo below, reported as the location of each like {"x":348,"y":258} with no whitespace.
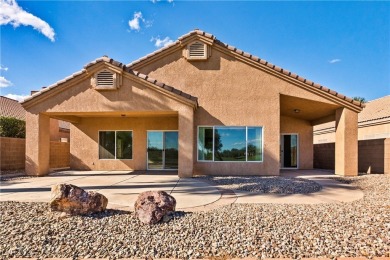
{"x":74,"y":117}
{"x":314,"y":111}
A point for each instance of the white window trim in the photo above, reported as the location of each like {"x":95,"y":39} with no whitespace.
{"x":246,"y":136}
{"x":132,"y":138}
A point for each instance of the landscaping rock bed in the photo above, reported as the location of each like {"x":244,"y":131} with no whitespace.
{"x":360,"y":228}
{"x":265,"y":184}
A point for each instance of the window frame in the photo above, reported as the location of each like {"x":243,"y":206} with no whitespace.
{"x":132,"y":138}
{"x":246,"y":148}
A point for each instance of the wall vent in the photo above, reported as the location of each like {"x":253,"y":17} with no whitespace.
{"x":197,"y":51}
{"x":105,"y":79}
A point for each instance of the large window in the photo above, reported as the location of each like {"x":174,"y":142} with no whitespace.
{"x":230,"y":144}
{"x":115,"y":145}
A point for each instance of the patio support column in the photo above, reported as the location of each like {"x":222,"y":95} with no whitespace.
{"x":186,"y":142}
{"x":346,"y":150}
{"x":37,"y":144}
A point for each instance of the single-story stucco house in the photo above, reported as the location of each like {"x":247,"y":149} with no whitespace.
{"x":198,"y":106}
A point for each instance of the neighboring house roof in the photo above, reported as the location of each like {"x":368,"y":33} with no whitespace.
{"x":245,"y":55}
{"x":377,"y":111}
{"x":11,"y":108}
{"x":121,"y":66}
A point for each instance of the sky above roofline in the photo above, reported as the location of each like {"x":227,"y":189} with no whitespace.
{"x":341,"y":45}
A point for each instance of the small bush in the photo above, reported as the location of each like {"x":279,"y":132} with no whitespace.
{"x":12,"y":127}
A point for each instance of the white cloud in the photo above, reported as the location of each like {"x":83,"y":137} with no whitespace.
{"x":161,"y":42}
{"x":155,"y":1}
{"x":134,"y":23}
{"x":334,"y":61}
{"x":17,"y":97}
{"x":4,"y":82}
{"x":3,"y":68}
{"x":12,"y":13}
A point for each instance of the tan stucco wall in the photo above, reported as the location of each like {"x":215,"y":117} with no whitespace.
{"x":304,"y":129}
{"x":86,"y":156}
{"x":232,"y":93}
{"x":364,"y":133}
{"x":346,"y":146}
{"x":55,"y":132}
{"x":374,"y":132}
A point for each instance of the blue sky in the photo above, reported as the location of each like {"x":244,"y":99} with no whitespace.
{"x":342,"y":45}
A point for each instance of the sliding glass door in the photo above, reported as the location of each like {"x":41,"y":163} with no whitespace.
{"x":163,"y":152}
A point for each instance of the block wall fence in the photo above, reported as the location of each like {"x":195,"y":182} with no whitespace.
{"x":373,"y":156}
{"x":13,"y":154}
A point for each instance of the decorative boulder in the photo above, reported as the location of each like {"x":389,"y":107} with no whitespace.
{"x":152,"y":206}
{"x":76,"y":201}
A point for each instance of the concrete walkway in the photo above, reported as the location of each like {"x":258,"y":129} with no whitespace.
{"x":122,"y":188}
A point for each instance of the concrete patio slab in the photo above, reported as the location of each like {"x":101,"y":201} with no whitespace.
{"x":192,"y":194}
{"x":120,"y":187}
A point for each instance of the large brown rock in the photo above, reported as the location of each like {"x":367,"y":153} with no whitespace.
{"x":152,"y":206}
{"x":76,"y":201}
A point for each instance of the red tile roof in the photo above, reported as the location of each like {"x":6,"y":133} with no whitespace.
{"x":250,"y":57}
{"x":125,"y":68}
{"x":11,"y":108}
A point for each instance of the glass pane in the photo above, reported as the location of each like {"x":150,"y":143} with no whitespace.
{"x":171,"y":150}
{"x":294,"y":150}
{"x":229,"y":144}
{"x":107,"y":145}
{"x":205,"y":144}
{"x":124,"y":145}
{"x":255,"y":152}
{"x":290,"y":151}
{"x":155,"y":150}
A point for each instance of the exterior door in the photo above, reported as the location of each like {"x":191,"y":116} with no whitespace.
{"x":163,"y":152}
{"x":289,"y":151}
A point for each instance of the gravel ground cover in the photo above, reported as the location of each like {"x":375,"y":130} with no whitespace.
{"x":265,"y":184}
{"x":360,"y":228}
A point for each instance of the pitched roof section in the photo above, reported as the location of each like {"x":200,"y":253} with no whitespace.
{"x":252,"y":58}
{"x":11,"y":108}
{"x":376,"y":109}
{"x":124,"y":68}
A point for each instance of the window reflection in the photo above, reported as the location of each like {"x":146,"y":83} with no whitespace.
{"x":230,"y":144}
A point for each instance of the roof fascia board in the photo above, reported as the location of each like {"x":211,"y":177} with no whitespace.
{"x":92,"y":69}
{"x":58,"y":87}
{"x":196,"y":37}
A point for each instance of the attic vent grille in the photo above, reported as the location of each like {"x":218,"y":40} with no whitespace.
{"x":197,"y":50}
{"x":105,"y":78}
